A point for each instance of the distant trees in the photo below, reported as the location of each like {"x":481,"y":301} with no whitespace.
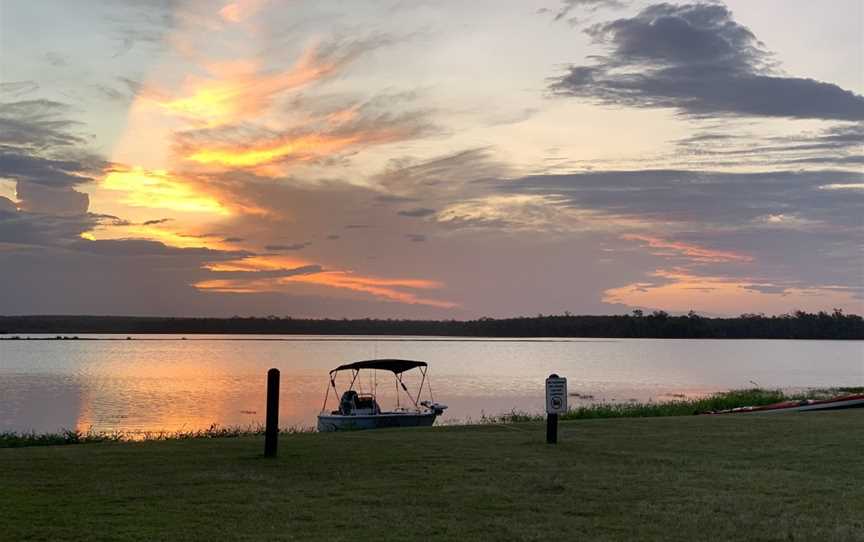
{"x":658,"y":324}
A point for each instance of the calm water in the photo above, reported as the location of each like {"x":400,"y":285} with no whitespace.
{"x":161,"y":383}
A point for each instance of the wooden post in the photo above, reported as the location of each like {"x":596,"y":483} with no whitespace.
{"x":551,"y":428}
{"x":271,"y":431}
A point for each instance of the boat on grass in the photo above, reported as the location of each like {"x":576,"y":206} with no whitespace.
{"x":359,"y":410}
{"x":803,"y":405}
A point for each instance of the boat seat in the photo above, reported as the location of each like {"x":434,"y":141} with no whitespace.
{"x":348,"y":402}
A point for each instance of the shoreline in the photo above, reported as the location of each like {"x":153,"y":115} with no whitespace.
{"x":365,"y":337}
{"x":601,"y":410}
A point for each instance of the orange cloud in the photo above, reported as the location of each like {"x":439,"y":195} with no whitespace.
{"x":240,"y":91}
{"x":160,"y":190}
{"x":168,"y":237}
{"x":398,"y":290}
{"x":681,"y":291}
{"x":343,"y":115}
{"x":298,"y":148}
{"x":258,"y":263}
{"x":694,"y":252}
{"x":240,"y":10}
{"x":295,"y":148}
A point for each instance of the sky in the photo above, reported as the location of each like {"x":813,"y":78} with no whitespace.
{"x":430,"y":159}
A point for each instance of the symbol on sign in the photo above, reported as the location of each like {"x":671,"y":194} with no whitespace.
{"x":556,"y":403}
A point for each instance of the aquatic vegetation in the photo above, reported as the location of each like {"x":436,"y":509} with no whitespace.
{"x":678,"y":407}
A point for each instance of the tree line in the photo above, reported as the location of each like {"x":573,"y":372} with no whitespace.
{"x":658,"y":324}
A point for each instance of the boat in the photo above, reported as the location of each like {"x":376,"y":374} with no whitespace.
{"x":359,"y":410}
{"x":803,"y":405}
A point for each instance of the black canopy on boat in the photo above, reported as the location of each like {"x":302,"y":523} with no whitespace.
{"x":395,"y":365}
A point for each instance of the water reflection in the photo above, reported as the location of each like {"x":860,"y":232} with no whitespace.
{"x":171,"y":385}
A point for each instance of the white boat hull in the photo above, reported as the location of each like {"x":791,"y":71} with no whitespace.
{"x":339,"y":422}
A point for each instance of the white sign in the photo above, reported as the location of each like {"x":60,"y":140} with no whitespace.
{"x":556,"y":395}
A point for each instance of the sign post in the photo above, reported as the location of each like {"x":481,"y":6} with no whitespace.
{"x":556,"y":403}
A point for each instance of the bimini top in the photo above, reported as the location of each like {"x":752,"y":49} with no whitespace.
{"x":395,"y":365}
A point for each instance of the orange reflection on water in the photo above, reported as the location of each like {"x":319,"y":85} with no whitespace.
{"x":188,"y":389}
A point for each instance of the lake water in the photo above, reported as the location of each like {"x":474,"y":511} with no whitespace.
{"x":156,"y":383}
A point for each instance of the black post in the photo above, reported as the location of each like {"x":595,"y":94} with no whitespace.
{"x":551,"y":428}
{"x":271,"y":431}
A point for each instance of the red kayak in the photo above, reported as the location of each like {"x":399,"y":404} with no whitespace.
{"x":802,"y":405}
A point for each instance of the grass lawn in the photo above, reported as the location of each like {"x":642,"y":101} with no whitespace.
{"x":739,"y":477}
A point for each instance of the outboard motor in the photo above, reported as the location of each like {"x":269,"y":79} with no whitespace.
{"x":437,"y":408}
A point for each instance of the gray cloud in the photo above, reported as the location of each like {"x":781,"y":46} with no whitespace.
{"x":40,"y":151}
{"x":705,"y":197}
{"x":841,"y":144}
{"x":697,"y":59}
{"x":766,"y":288}
{"x":388,"y":198}
{"x":796,"y":229}
{"x":415,"y":237}
{"x":143,"y":247}
{"x":835,"y":140}
{"x":587,"y":5}
{"x":21,"y":227}
{"x":283,"y":248}
{"x":38,"y":198}
{"x":417,"y":212}
{"x":443,"y":178}
{"x":37,"y":124}
{"x":32,"y":168}
{"x":144,"y":22}
{"x":16,"y":88}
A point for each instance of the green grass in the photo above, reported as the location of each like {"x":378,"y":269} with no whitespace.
{"x":743,"y":477}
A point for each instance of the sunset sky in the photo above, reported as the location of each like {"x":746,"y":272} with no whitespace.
{"x":443,"y":159}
